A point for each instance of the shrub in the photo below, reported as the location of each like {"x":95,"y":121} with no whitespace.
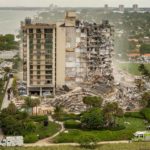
{"x":146,"y":113}
{"x":72,"y":124}
{"x":64,"y":116}
{"x":93,"y":119}
{"x":30,"y":138}
{"x":30,"y":126}
{"x":89,"y":142}
{"x":71,"y":117}
{"x":39,"y":118}
{"x":117,"y":128}
{"x":134,"y":115}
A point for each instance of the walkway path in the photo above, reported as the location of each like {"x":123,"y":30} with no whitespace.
{"x":71,"y":144}
{"x":49,"y":139}
{"x":6,"y":102}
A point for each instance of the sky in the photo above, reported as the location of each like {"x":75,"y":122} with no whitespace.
{"x":73,"y":3}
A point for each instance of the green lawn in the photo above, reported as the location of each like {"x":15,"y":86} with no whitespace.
{"x":131,"y":67}
{"x":48,"y":131}
{"x":131,"y":146}
{"x":41,"y":132}
{"x":132,"y":125}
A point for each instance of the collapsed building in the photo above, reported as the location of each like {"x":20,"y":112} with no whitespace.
{"x":89,"y":50}
{"x":70,"y":60}
{"x":71,"y":53}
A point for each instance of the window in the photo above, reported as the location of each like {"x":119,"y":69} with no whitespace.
{"x":30,"y":30}
{"x":38,"y":40}
{"x":38,"y":30}
{"x":38,"y":46}
{"x":31,"y":36}
{"x":48,"y":56}
{"x":31,"y":72}
{"x":48,"y":61}
{"x":49,"y":51}
{"x":38,"y":62}
{"x":38,"y":82}
{"x":38,"y":77}
{"x":31,"y":46}
{"x":48,"y":46}
{"x":38,"y":72}
{"x":38,"y":67}
{"x":48,"y":72}
{"x":48,"y":77}
{"x":48,"y":30}
{"x":38,"y":36}
{"x":49,"y":67}
{"x":49,"y":36}
{"x":31,"y":66}
{"x":48,"y":82}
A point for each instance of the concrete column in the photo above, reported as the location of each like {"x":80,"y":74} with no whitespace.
{"x":41,"y":91}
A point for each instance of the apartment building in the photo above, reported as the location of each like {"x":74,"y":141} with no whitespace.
{"x":71,"y":53}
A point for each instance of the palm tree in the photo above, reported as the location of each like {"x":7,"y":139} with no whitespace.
{"x":35,"y":103}
{"x":28,"y":103}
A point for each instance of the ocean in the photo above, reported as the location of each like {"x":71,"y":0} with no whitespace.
{"x":10,"y":20}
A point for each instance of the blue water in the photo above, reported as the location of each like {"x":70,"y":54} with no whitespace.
{"x":10,"y":20}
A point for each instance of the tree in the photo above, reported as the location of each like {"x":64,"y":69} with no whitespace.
{"x":144,"y":71}
{"x":12,"y":108}
{"x":58,"y":111}
{"x":36,"y":103}
{"x":145,"y":48}
{"x":28,"y":103}
{"x":145,"y":101}
{"x":31,"y":103}
{"x":92,"y":119}
{"x":14,"y":87}
{"x":111,"y":110}
{"x":93,"y":101}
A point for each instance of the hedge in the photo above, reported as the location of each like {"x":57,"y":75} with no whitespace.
{"x":39,"y":118}
{"x":72,"y":124}
{"x":146,"y":113}
{"x":30,"y":138}
{"x":134,"y":115}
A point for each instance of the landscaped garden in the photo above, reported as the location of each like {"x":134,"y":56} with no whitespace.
{"x":131,"y":126}
{"x":32,"y":128}
{"x":102,"y":124}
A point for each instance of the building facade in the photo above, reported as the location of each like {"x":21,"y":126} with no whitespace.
{"x":69,"y":53}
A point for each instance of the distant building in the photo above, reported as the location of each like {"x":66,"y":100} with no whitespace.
{"x":69,"y":53}
{"x":121,"y":8}
{"x":135,"y":7}
{"x":106,"y":7}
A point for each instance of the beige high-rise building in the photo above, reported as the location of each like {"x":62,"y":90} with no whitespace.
{"x":65,"y":53}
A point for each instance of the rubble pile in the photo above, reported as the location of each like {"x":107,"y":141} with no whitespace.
{"x":89,"y":55}
{"x":72,"y":101}
{"x":127,"y":97}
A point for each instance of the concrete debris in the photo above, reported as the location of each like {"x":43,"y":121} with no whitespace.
{"x":89,"y":57}
{"x":72,"y":101}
